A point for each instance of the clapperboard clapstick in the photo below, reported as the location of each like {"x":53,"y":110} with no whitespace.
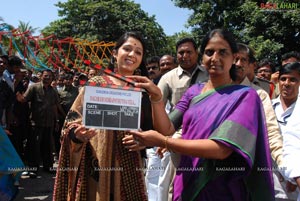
{"x":116,"y":75}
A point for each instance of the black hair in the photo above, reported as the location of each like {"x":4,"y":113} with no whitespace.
{"x":173,"y":58}
{"x":15,"y":61}
{"x":232,"y":72}
{"x":5,"y":56}
{"x":250,"y":52}
{"x":26,"y":79}
{"x":49,"y":71}
{"x":266,"y":62}
{"x":67,"y":76}
{"x":146,"y":117}
{"x":83,"y":76}
{"x":70,"y":73}
{"x":154,"y":59}
{"x":186,"y":40}
{"x":127,"y":35}
{"x":62,"y":76}
{"x":121,"y":41}
{"x":291,"y":54}
{"x":226,"y":35}
{"x":289,"y":67}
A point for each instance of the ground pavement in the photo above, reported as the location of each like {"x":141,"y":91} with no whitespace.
{"x":34,"y":189}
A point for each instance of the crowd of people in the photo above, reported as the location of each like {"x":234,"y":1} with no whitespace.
{"x":216,"y":124}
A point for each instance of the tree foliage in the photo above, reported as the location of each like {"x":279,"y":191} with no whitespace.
{"x":25,"y":26}
{"x":271,"y":29}
{"x":172,"y":40}
{"x":107,"y":20}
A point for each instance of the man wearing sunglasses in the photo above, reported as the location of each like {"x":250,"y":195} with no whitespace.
{"x":152,"y":65}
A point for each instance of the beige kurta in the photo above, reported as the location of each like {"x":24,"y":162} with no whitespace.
{"x":102,"y":169}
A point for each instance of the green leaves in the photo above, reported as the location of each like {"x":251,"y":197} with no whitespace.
{"x":271,"y":32}
{"x":107,"y":20}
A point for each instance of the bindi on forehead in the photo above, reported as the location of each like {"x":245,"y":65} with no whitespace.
{"x":135,"y":44}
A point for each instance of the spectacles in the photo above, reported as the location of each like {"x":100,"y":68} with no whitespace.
{"x":152,"y":67}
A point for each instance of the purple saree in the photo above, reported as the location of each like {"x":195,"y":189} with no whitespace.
{"x":232,"y":115}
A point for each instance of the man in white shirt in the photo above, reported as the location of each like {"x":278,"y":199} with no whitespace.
{"x":173,"y":84}
{"x":287,"y":109}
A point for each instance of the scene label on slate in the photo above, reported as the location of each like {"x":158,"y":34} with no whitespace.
{"x":109,"y":108}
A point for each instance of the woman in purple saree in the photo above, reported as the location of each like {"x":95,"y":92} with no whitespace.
{"x":224,"y":147}
{"x":223,"y":115}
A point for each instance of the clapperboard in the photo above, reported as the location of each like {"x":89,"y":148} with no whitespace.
{"x":112,"y":107}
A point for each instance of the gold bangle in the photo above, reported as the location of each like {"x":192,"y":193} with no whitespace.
{"x":166,"y":142}
{"x":158,"y":101}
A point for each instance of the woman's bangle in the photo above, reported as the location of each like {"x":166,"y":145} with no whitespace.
{"x":166,"y":142}
{"x":158,"y":101}
{"x":73,"y":137}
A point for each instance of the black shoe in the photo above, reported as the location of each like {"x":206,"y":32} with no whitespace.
{"x":32,"y":175}
{"x":25,"y":175}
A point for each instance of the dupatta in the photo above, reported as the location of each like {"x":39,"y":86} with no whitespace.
{"x":101,"y":169}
